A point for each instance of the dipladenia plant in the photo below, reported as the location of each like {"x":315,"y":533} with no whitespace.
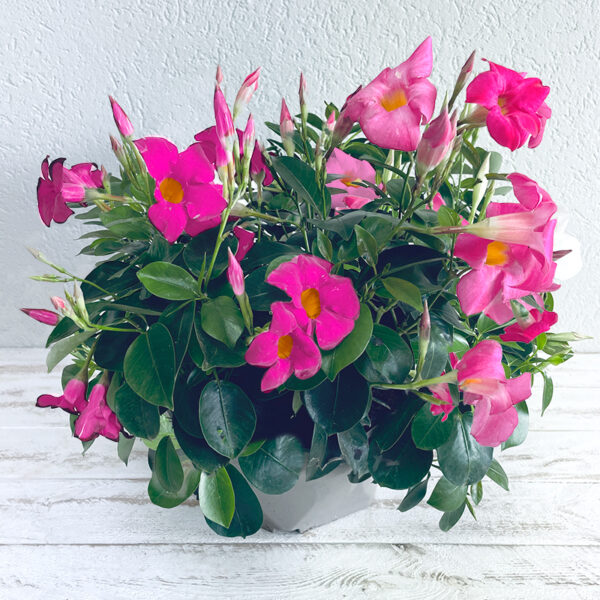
{"x":365,"y":290}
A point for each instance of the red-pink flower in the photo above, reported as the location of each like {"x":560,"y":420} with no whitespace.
{"x":186,"y":198}
{"x":515,"y":105}
{"x":245,"y":242}
{"x":72,"y":399}
{"x":527,"y":329}
{"x":97,"y":418}
{"x":351,"y":172}
{"x":42,"y":315}
{"x":393,"y":106}
{"x":441,"y":391}
{"x":320,"y":301}
{"x":285,"y":349}
{"x":59,"y":185}
{"x":436,"y":142}
{"x":484,"y":385}
{"x":121,"y":119}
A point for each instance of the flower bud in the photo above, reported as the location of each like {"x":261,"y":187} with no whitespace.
{"x":42,"y":315}
{"x":224,"y":122}
{"x":302,"y":95}
{"x":248,"y":138}
{"x":59,"y":304}
{"x":249,"y":86}
{"x":436,"y":142}
{"x":219,"y":75}
{"x":424,"y":336}
{"x":235,"y":275}
{"x":286,"y":125}
{"x":331,"y":122}
{"x":121,"y":119}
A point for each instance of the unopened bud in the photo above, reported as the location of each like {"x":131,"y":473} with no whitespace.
{"x":235,"y":275}
{"x":286,"y":128}
{"x":121,"y":119}
{"x":42,"y":315}
{"x":249,"y":86}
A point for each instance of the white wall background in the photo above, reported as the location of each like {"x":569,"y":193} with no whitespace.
{"x":59,"y":59}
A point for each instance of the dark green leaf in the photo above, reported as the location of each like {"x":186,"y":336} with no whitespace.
{"x":64,"y":347}
{"x":447,"y":496}
{"x":166,"y":499}
{"x":295,"y":384}
{"x":222,"y":320}
{"x":436,"y":358}
{"x":260,"y":293}
{"x":111,"y":348}
{"x":302,"y":179}
{"x":519,"y":435}
{"x":548,"y":392}
{"x":477,"y":492}
{"x":316,"y":454}
{"x":63,"y":329}
{"x":355,"y":449}
{"x":216,"y":496}
{"x":207,"y":353}
{"x":343,"y":224}
{"x":404,"y":291}
{"x":450,"y":519}
{"x":167,"y":466}
{"x":125,"y":446}
{"x":428,"y":430}
{"x":498,"y":475}
{"x":135,"y":414}
{"x":366,"y":244}
{"x":203,"y":457}
{"x":324,"y":245}
{"x":414,"y":495}
{"x":168,"y":281}
{"x":389,"y":430}
{"x":180,"y":323}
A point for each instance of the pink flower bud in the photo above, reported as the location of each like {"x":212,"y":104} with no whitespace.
{"x":121,"y":119}
{"x":245,"y":93}
{"x":302,"y":90}
{"x":219,"y":75}
{"x":467,"y":67}
{"x":286,"y":128}
{"x":235,"y":275}
{"x":59,"y":304}
{"x":331,"y":122}
{"x":436,"y":141}
{"x":115,"y":145}
{"x":248,"y":137}
{"x":42,"y":315}
{"x":225,"y":130}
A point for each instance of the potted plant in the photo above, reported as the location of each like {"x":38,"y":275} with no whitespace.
{"x":365,"y":298}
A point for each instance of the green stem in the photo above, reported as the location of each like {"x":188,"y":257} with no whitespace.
{"x":415,"y":385}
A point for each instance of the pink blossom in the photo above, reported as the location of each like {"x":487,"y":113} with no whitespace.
{"x":515,"y":105}
{"x":245,"y":242}
{"x":235,"y":275}
{"x":321,"y":301}
{"x":351,"y":173}
{"x":526,"y":330}
{"x":42,"y":315}
{"x":249,"y":86}
{"x":72,"y":399}
{"x":437,"y":202}
{"x":97,"y":418}
{"x":121,"y":119}
{"x":441,"y":391}
{"x":393,"y":106}
{"x":59,"y":185}
{"x":186,"y":198}
{"x":258,"y":166}
{"x":285,"y":348}
{"x":436,"y":142}
{"x":484,"y":385}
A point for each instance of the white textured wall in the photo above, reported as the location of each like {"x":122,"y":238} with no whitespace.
{"x":59,"y":59}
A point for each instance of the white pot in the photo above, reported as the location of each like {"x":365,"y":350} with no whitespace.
{"x":312,"y":503}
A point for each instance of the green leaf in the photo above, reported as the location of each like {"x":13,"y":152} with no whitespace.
{"x":126,"y":223}
{"x":111,"y":348}
{"x":548,"y":392}
{"x":338,"y":405}
{"x":135,"y":414}
{"x":227,"y":417}
{"x":166,"y":499}
{"x":447,"y":496}
{"x":167,"y":466}
{"x":404,"y":291}
{"x":477,"y":492}
{"x":462,"y":460}
{"x":149,"y":366}
{"x":203,"y":457}
{"x":389,"y":430}
{"x":64,"y":347}
{"x":216,"y":496}
{"x":199,"y":251}
{"x":450,"y":519}
{"x":125,"y":446}
{"x":262,"y":294}
{"x":275,"y":467}
{"x":222,"y":320}
{"x":519,"y":435}
{"x":414,"y":495}
{"x":168,"y":281}
{"x":180,"y":323}
{"x":324,"y":245}
{"x":343,"y":224}
{"x":366,"y":244}
{"x":247,"y":516}
{"x":355,"y":449}
{"x":498,"y":475}
{"x":207,"y":353}
{"x":295,"y":384}
{"x":387,"y":358}
{"x":64,"y":328}
{"x":436,"y":359}
{"x":428,"y":430}
{"x":316,"y":454}
{"x":402,"y":466}
{"x":351,"y":347}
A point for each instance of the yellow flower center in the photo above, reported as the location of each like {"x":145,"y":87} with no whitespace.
{"x":311,"y":302}
{"x":171,"y":190}
{"x":497,"y":254}
{"x":394,"y":100}
{"x":502,"y":101}
{"x":284,"y":346}
{"x":471,"y":381}
{"x":350,"y":182}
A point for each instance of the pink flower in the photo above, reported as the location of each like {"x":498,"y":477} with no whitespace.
{"x":321,"y":301}
{"x":245,"y":242}
{"x":235,"y":275}
{"x":484,"y":385}
{"x":526,"y":330}
{"x":441,"y":391}
{"x":393,"y":106}
{"x":436,"y":142}
{"x":249,"y":86}
{"x":73,"y":397}
{"x":351,"y":172}
{"x":42,"y":315}
{"x":185,"y":197}
{"x":97,"y":418}
{"x":258,"y":167}
{"x":514,"y":103}
{"x":437,"y":202}
{"x":121,"y":119}
{"x":59,"y":185}
{"x":285,"y":348}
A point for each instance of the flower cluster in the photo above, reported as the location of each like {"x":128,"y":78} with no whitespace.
{"x":354,"y":291}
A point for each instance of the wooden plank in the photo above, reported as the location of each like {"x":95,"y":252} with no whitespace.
{"x":409,"y":572}
{"x":52,"y":511}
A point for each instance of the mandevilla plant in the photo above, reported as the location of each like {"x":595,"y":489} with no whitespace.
{"x":353,"y":294}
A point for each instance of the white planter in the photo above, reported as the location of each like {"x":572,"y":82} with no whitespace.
{"x":312,"y":503}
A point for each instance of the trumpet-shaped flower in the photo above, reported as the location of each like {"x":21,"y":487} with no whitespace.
{"x":73,"y":397}
{"x":42,"y":315}
{"x":484,"y":385}
{"x":97,"y":418}
{"x":186,"y":198}
{"x":285,"y":349}
{"x":347,"y":191}
{"x":59,"y":185}
{"x":516,"y":111}
{"x":527,"y":329}
{"x":320,"y":301}
{"x":392,"y":108}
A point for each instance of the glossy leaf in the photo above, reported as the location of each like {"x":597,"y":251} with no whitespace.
{"x":168,"y":281}
{"x":446,"y":496}
{"x":450,"y":519}
{"x":498,"y":475}
{"x":519,"y":435}
{"x":355,"y":449}
{"x":414,"y":495}
{"x":389,"y":430}
{"x":64,"y":347}
{"x":167,"y":466}
{"x":216,"y":497}
{"x":428,"y":430}
{"x":366,"y":244}
{"x":111,"y":348}
{"x":166,"y":499}
{"x":222,"y":320}
{"x":404,"y":291}
{"x":203,"y":457}
{"x":135,"y":414}
{"x":180,"y":323}
{"x":125,"y":446}
{"x":548,"y":392}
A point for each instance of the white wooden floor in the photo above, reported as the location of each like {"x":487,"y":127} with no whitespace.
{"x":82,"y":527}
